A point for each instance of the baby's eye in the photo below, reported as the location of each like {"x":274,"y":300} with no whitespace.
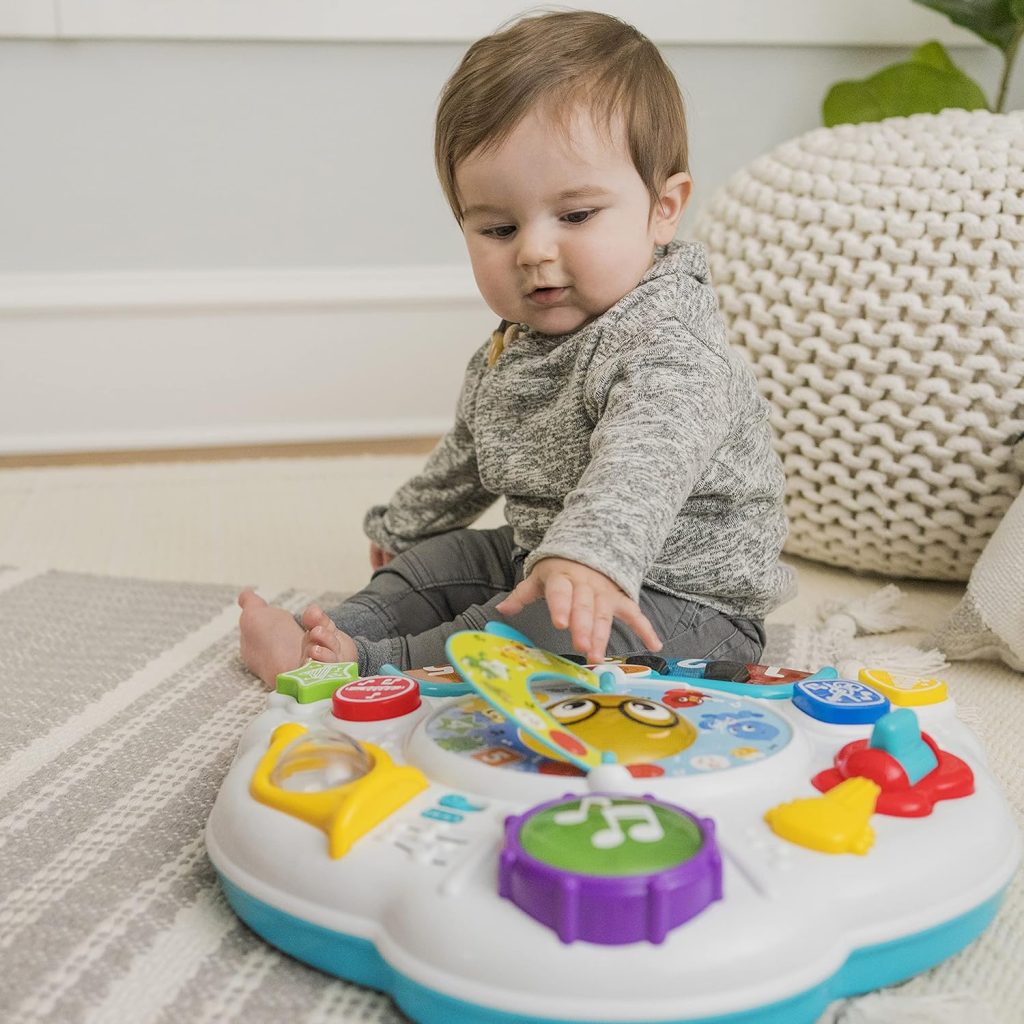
{"x":579,"y":216}
{"x":502,"y":231}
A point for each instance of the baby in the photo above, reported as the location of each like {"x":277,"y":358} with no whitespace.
{"x":643,"y":498}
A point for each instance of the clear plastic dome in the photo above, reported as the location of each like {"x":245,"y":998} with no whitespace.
{"x":320,"y":761}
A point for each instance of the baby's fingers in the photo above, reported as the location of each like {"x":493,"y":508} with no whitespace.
{"x":526,"y":593}
{"x":629,"y":613}
{"x":581,"y":617}
{"x":559,"y":593}
{"x":322,"y":644}
{"x":601,"y":631}
{"x":314,"y":615}
{"x":317,"y":652}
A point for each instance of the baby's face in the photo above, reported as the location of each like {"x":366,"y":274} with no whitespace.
{"x":558,"y":229}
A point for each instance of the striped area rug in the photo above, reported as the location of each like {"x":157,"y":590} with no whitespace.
{"x":123,"y":701}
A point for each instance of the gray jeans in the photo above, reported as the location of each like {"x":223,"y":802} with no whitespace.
{"x":453,"y":581}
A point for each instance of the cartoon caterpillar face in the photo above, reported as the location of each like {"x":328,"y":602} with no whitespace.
{"x":636,"y":729}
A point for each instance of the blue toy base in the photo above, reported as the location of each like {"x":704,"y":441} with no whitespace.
{"x":357,"y":960}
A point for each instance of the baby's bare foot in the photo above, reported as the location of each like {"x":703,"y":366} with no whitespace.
{"x":270,"y":638}
{"x":323,"y":641}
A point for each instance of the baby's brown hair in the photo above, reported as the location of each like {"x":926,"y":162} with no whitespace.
{"x":560,"y":60}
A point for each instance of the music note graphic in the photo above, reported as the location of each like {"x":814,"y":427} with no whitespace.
{"x":647,"y":830}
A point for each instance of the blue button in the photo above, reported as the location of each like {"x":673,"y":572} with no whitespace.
{"x":437,"y":815}
{"x":459,"y":803}
{"x":839,"y":701}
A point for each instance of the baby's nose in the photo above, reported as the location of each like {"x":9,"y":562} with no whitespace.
{"x":536,"y":246}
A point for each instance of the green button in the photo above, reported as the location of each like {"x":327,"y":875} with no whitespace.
{"x":316,"y":680}
{"x":599,"y":835}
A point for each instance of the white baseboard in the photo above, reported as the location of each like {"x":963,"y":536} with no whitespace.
{"x":104,"y":362}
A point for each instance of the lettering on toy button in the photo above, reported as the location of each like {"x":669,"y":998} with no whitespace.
{"x":841,"y":691}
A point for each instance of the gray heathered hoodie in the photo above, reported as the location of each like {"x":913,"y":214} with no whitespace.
{"x":637,"y":445}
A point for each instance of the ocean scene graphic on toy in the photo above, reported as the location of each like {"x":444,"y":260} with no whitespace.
{"x":408,"y":836}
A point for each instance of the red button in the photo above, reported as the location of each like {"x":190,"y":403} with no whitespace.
{"x":375,"y":698}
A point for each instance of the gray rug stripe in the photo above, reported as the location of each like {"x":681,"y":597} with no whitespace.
{"x":68,"y":638}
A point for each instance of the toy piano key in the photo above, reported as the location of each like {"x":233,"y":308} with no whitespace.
{"x":765,"y":681}
{"x":769,"y":674}
{"x":439,"y":681}
{"x":690,"y":668}
{"x":727,"y":671}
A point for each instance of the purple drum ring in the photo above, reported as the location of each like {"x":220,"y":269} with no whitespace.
{"x":610,"y":909}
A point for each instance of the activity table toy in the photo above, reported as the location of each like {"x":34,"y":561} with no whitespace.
{"x":518,"y":837}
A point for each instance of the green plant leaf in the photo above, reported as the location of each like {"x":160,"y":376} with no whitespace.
{"x":935,"y":55}
{"x":999,"y":22}
{"x":925,"y":84}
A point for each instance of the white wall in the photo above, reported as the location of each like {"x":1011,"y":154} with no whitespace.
{"x":214,"y":240}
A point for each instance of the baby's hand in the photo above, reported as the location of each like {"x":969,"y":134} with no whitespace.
{"x":582,"y":600}
{"x":378,"y":556}
{"x":323,"y":641}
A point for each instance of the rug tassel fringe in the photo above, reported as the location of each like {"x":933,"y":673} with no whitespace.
{"x":895,"y":1008}
{"x":846,"y":625}
{"x":878,"y":613}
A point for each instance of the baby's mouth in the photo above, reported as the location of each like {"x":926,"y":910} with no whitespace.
{"x":546,"y":296}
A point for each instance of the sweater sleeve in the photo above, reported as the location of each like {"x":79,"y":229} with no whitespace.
{"x":662,"y":405}
{"x":447,"y":493}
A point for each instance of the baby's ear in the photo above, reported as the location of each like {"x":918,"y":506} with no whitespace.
{"x":674,"y":197}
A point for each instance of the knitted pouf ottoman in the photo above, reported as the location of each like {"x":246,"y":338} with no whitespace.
{"x":874,"y":276}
